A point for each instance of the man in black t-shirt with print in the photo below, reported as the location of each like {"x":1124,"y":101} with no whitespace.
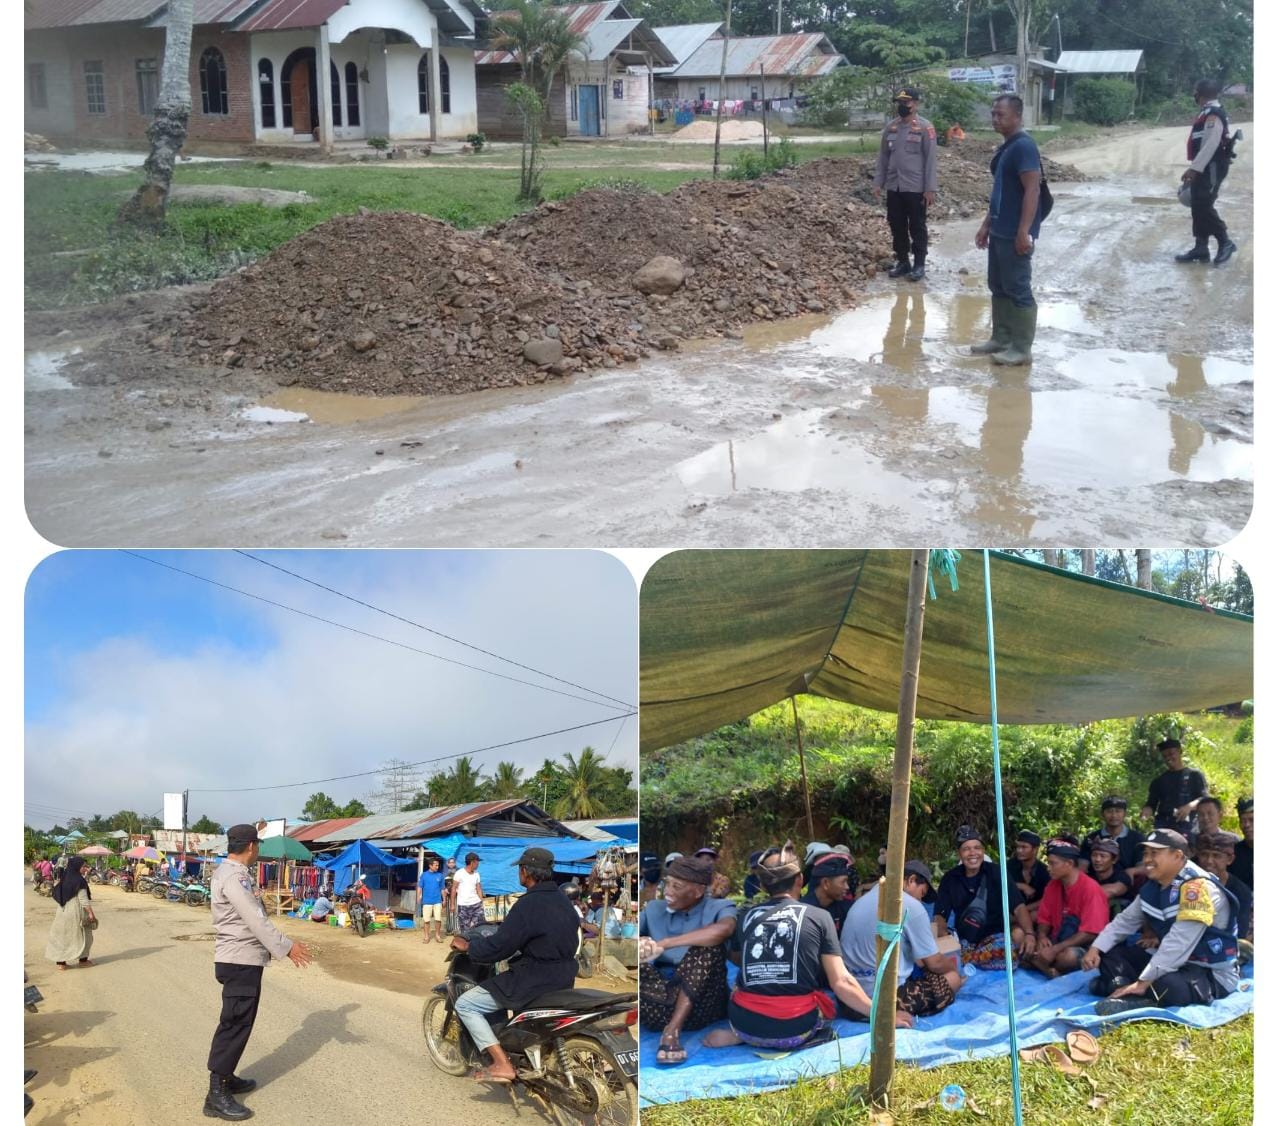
{"x":1173,"y":796}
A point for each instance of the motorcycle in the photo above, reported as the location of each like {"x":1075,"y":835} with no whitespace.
{"x":360,"y":915}
{"x":120,"y":880}
{"x":570,"y":1048}
{"x":195,"y":894}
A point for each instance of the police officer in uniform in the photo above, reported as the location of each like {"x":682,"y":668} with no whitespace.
{"x":1195,"y":920}
{"x":244,"y":942}
{"x":908,"y":168}
{"x":1209,"y":151}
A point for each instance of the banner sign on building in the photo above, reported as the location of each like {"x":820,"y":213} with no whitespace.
{"x":272,"y":829}
{"x":174,"y":808}
{"x":1004,"y":76}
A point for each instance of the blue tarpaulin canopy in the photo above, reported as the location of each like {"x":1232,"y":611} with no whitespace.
{"x":499,"y":854}
{"x":359,"y":855}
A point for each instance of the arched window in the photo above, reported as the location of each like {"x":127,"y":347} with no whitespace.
{"x":335,"y":93}
{"x":213,"y":82}
{"x":444,"y":84}
{"x":267,"y":93}
{"x":353,"y":94}
{"x":424,"y":83}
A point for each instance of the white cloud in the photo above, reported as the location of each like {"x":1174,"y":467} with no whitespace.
{"x":134,"y":721}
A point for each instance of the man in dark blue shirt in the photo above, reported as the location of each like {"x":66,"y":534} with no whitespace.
{"x":1008,"y":235}
{"x":542,"y":927}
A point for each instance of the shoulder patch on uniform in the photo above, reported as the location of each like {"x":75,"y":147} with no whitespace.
{"x":1194,"y":903}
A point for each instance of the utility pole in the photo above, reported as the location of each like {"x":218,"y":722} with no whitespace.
{"x":778,"y":25}
{"x":184,"y":828}
{"x":724,"y":65}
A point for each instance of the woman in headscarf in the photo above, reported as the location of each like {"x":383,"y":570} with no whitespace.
{"x":683,"y":974}
{"x":71,"y":935}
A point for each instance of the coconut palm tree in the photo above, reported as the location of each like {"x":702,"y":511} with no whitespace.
{"x":585,"y":777}
{"x":168,"y":129}
{"x":460,"y":785}
{"x":542,"y":42}
{"x":507,"y":781}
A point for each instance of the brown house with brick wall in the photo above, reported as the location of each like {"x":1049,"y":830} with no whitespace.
{"x":400,"y":69}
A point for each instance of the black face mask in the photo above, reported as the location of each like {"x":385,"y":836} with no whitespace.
{"x":904,"y":110}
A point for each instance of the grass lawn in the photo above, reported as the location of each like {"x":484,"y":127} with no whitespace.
{"x":73,"y":255}
{"x":1150,"y":1073}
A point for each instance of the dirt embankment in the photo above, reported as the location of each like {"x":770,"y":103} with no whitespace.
{"x":398,"y":303}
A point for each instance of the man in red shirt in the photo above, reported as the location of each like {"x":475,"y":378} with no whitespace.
{"x":1073,"y":912}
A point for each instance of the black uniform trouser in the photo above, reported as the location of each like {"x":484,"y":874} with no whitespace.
{"x":1205,"y":220}
{"x":241,"y":990}
{"x":907,"y":225}
{"x":1187,"y":985}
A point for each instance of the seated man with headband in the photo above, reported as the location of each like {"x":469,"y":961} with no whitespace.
{"x":789,"y":956}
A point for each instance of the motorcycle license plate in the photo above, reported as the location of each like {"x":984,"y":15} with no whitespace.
{"x":626,"y":1052}
{"x":31,"y":995}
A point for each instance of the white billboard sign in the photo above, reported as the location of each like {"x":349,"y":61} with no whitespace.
{"x":173,"y":810}
{"x":272,"y":829}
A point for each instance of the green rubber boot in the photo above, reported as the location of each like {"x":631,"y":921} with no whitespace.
{"x":999,"y":341}
{"x":1022,"y":334}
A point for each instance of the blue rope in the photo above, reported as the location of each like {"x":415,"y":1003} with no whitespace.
{"x":1004,"y":873}
{"x":942,"y":560}
{"x":892,"y":934}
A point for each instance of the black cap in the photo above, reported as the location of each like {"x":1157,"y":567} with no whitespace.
{"x":649,"y":860}
{"x":1166,"y":838}
{"x":1244,"y":805}
{"x":1114,"y":801}
{"x":967,"y":833}
{"x":531,"y":858}
{"x":1029,"y":837}
{"x":907,"y":93}
{"x":470,"y":857}
{"x":920,"y":869}
{"x":707,"y":850}
{"x":1169,"y":744}
{"x":1066,"y":849}
{"x":239,"y":837}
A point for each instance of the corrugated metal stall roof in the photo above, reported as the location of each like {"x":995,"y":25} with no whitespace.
{"x":1100,"y":62}
{"x":315,"y":829}
{"x":416,"y":824}
{"x":683,"y":39}
{"x":581,"y":17}
{"x":779,"y":54}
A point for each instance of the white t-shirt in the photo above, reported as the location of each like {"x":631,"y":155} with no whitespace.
{"x":466,"y":884}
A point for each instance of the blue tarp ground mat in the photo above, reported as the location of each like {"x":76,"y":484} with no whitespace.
{"x":975,"y":1027}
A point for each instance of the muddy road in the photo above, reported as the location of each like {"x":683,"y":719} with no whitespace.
{"x":1132,"y":426}
{"x":124,"y":1041}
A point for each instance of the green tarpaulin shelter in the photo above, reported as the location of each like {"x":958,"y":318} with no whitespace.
{"x":727,"y":633}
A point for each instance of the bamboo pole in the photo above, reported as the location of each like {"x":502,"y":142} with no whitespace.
{"x":804,"y":774}
{"x":724,"y":65}
{"x":882,"y":1037}
{"x":764,"y":113}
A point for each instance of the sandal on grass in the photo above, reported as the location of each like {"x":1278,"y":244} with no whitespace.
{"x":670,"y":1051}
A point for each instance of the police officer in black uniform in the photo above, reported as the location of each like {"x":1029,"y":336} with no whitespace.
{"x":1209,"y":151}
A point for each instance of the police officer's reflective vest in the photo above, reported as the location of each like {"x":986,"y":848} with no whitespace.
{"x":1160,"y":906}
{"x":1196,"y":138}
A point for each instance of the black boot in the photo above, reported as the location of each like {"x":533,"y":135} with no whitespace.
{"x":1226,"y":248}
{"x":900,"y":267}
{"x":1198,"y":253}
{"x":917,"y":271}
{"x":219,"y":1103}
{"x":238,"y":1086}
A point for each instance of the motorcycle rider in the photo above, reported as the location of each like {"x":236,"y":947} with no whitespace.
{"x":542,"y":926}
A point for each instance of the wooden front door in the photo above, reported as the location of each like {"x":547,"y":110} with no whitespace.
{"x":300,"y":96}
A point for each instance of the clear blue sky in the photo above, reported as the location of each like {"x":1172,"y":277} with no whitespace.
{"x":141,"y":680}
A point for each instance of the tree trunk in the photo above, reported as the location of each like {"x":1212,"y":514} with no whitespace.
{"x":1088,"y":561}
{"x":168,"y":129}
{"x":1144,"y":569}
{"x":1053,"y":557}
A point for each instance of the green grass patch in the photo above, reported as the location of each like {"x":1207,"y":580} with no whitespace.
{"x":1145,"y":1073}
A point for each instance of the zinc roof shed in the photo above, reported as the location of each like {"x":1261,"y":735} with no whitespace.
{"x":683,"y":39}
{"x":806,"y":55}
{"x":1101,"y":62}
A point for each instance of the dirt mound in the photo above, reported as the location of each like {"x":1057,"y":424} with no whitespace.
{"x":980,"y":152}
{"x":775,"y":247}
{"x":730,"y":130}
{"x":399,"y":303}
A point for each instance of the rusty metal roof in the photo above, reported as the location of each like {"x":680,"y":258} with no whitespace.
{"x":79,"y":13}
{"x":581,"y":18}
{"x":415,"y":824}
{"x":281,"y":15}
{"x":316,"y":829}
{"x":780,"y":55}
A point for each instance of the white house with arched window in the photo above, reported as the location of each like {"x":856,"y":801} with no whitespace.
{"x":400,"y":69}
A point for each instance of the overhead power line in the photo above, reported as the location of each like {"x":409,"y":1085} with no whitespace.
{"x":421,"y":762}
{"x":428,"y":629}
{"x":371,"y":636}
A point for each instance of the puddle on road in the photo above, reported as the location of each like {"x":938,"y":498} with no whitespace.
{"x":335,"y":407}
{"x":271,"y":415}
{"x":1177,"y":374}
{"x":42,"y":371}
{"x":763,"y":335}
